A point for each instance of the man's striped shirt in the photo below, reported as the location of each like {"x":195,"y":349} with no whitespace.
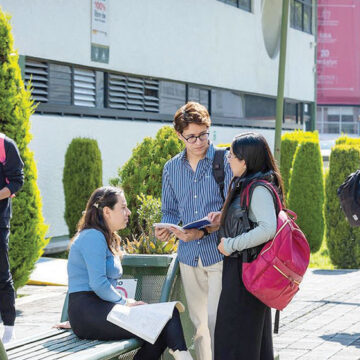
{"x":188,"y":196}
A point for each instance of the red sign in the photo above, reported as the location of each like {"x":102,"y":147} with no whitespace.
{"x":338,"y":52}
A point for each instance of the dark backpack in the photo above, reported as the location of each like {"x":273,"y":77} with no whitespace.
{"x":349,"y":196}
{"x":218,"y":169}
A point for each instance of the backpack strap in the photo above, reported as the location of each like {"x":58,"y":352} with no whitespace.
{"x":2,"y":149}
{"x":218,"y":169}
{"x":246,"y":194}
{"x":277,"y":322}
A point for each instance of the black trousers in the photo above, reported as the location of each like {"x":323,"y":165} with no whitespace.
{"x":7,"y":292}
{"x":87,"y":315}
{"x":243,"y":325}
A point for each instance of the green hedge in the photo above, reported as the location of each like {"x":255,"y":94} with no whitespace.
{"x":306,"y":191}
{"x":343,"y":241}
{"x":289,"y":143}
{"x":345,"y":140}
{"x":82,"y":175}
{"x":28,"y":229}
{"x":142,"y":173}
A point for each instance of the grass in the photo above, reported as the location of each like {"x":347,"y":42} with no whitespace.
{"x":321,"y":259}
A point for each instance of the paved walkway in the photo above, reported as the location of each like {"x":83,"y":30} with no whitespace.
{"x":322,"y":322}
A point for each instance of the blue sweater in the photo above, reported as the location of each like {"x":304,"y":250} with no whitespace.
{"x":93,"y":267}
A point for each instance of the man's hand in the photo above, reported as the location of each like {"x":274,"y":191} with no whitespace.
{"x":221,"y":247}
{"x":187,"y":235}
{"x":162,"y":234}
{"x":215,"y":217}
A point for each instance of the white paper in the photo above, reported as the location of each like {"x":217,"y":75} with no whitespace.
{"x":145,"y":321}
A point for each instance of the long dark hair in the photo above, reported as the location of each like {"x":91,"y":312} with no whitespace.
{"x":93,"y":217}
{"x":254,"y":150}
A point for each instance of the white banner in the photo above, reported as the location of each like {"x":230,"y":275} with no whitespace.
{"x":100,"y":22}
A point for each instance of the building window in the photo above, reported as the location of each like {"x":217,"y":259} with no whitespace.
{"x":132,"y":93}
{"x":226,"y":103}
{"x":301,"y":15}
{"x":260,"y":107}
{"x":84,"y":87}
{"x":59,"y":84}
{"x":172,"y":96}
{"x":199,"y":95}
{"x":242,"y":4}
{"x":36,"y":74}
{"x":337,"y":120}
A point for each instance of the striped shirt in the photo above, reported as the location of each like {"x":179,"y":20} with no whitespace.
{"x":188,"y":196}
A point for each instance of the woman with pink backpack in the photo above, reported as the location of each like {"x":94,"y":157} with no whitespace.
{"x":243,"y":325}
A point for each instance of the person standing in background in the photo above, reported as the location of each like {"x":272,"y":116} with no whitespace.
{"x":11,"y":181}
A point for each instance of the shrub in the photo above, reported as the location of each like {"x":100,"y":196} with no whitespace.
{"x":306,"y":192}
{"x":345,"y":140}
{"x":27,"y":238}
{"x":82,"y":175}
{"x":149,"y":213}
{"x":289,"y":143}
{"x":142,"y":173}
{"x":343,"y":241}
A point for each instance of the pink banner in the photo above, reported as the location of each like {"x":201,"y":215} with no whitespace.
{"x":338,"y":52}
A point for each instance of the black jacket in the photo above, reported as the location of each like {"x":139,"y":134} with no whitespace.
{"x":11,"y":176}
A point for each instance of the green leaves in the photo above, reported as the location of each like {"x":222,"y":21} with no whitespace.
{"x":142,"y":173}
{"x":343,"y":241}
{"x":149,"y":212}
{"x":82,"y":175}
{"x":306,"y":190}
{"x":28,"y":229}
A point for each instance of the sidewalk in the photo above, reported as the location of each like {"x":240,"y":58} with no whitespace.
{"x":322,"y":322}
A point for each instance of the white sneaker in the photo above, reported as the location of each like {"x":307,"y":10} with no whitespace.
{"x":9,"y":334}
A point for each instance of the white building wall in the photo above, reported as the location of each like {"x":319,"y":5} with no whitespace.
{"x":196,"y":41}
{"x":116,"y":139}
{"x":199,"y":41}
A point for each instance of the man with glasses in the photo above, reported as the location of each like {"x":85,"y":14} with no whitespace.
{"x":189,"y":193}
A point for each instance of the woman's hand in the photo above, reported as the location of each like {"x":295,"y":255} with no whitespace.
{"x":221,"y":247}
{"x":215,"y":217}
{"x":162,"y":234}
{"x":187,"y":235}
{"x":133,"y":302}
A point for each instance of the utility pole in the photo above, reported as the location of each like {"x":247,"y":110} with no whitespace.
{"x":281,"y":79}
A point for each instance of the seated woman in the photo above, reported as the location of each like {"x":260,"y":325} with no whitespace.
{"x":94,"y":266}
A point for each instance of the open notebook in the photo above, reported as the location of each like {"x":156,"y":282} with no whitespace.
{"x":144,"y":321}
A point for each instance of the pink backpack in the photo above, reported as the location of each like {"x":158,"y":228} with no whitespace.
{"x":275,"y":275}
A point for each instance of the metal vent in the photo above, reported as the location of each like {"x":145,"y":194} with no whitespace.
{"x":84,"y":87}
{"x":36,"y":72}
{"x":133,"y":93}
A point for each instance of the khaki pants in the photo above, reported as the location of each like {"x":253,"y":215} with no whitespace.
{"x":202,"y":285}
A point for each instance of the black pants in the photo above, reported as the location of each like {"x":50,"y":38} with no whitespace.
{"x":243,"y":325}
{"x":7,"y":292}
{"x":87,"y":315}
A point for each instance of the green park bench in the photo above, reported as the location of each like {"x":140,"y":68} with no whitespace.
{"x":157,"y":280}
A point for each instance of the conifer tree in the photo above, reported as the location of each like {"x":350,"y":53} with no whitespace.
{"x":306,"y":191}
{"x":82,"y":175}
{"x":27,"y":238}
{"x":142,"y":173}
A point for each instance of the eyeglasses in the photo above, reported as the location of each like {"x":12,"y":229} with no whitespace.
{"x":192,"y":139}
{"x":229,"y":156}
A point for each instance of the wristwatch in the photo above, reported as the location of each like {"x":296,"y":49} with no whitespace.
{"x":205,"y":231}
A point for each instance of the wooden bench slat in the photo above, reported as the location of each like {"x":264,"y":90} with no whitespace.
{"x":65,"y":343}
{"x":29,"y":345}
